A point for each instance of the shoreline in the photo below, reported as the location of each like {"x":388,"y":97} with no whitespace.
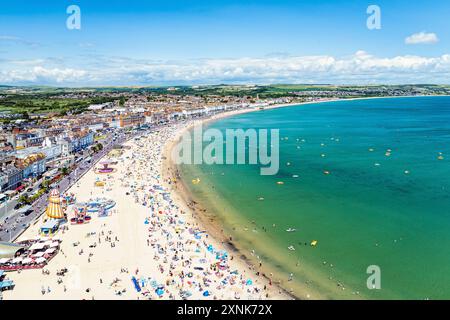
{"x":185,"y":197}
{"x":181,"y":193}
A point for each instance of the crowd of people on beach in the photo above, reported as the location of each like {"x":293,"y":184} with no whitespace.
{"x":189,"y":262}
{"x":182,"y":261}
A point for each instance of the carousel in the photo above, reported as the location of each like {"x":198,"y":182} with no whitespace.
{"x":68,"y":199}
{"x":105,"y":167}
{"x":80,"y":215}
{"x":54,"y":214}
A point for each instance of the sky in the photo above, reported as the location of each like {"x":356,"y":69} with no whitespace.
{"x":134,"y":42}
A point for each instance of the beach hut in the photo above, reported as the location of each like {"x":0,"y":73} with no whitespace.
{"x":49,"y":227}
{"x":54,"y":208}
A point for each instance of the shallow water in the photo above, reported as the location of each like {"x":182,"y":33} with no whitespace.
{"x":372,"y":209}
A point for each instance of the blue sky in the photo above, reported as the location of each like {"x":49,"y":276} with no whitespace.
{"x":183,"y":42}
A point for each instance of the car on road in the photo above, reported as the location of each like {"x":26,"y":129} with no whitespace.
{"x":17,"y":206}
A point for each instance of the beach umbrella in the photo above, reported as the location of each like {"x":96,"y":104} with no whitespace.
{"x":27,"y":261}
{"x":17,"y":260}
{"x":54,"y":244}
{"x":37,"y":246}
{"x":40,"y":260}
{"x":48,"y":243}
{"x":206,"y":294}
{"x":4,"y":260}
{"x":159,"y":291}
{"x":39,"y":254}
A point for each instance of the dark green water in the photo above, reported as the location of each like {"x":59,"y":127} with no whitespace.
{"x":395,"y":215}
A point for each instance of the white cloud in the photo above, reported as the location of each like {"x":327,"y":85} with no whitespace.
{"x":359,"y":68}
{"x":422,"y":38}
{"x":41,"y":75}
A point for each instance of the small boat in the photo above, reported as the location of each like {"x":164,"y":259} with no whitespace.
{"x":291,"y":248}
{"x":291,"y":230}
{"x":280,"y":182}
{"x":295,"y":176}
{"x":313,"y":243}
{"x":326,"y":172}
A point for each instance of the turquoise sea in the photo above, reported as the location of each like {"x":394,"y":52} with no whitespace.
{"x":385,"y":201}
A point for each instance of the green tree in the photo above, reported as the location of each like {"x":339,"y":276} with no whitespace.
{"x":25,"y":115}
{"x":45,"y":184}
{"x":64,"y":171}
{"x":24,"y":199}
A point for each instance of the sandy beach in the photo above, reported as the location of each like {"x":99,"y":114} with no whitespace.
{"x":151,"y":234}
{"x":154,"y":233}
